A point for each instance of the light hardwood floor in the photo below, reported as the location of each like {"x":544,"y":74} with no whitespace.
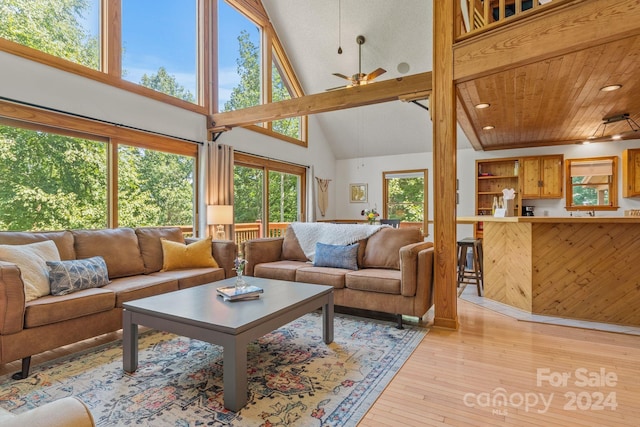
{"x":453,"y":376}
{"x":450,"y":376}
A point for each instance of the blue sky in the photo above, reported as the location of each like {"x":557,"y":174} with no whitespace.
{"x":159,"y":33}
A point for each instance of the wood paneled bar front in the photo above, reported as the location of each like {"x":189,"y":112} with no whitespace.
{"x":576,"y":267}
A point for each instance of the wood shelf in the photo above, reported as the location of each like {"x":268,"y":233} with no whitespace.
{"x":497,"y":177}
{"x":504,"y":173}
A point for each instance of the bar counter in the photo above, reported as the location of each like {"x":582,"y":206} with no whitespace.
{"x":575,"y":267}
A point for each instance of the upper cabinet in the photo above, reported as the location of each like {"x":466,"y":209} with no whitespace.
{"x":631,"y":173}
{"x":542,"y":177}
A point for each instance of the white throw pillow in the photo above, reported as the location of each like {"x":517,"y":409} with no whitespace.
{"x":32,"y":261}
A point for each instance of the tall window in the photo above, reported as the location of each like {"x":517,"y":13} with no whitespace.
{"x":405,"y":197}
{"x":280,"y":91}
{"x":159,"y":46}
{"x":239,"y":59}
{"x":268,"y":196}
{"x":68,"y":30}
{"x":246,"y":41}
{"x":51,"y":181}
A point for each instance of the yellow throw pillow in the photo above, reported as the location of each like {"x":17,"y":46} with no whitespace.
{"x":176,"y":256}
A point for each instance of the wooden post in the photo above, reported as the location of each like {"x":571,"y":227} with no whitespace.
{"x":443,"y":108}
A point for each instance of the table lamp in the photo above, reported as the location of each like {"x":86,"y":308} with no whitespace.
{"x":220,"y":215}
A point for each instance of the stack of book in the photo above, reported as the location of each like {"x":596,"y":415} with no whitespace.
{"x":231,"y":293}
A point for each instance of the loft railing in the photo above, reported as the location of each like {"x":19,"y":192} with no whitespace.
{"x":477,"y":16}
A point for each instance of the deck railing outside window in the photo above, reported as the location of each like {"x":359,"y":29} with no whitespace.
{"x":253,"y":230}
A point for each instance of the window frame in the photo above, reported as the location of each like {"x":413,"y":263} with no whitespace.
{"x":271,"y":47}
{"x":110,"y":71}
{"x":53,"y":122}
{"x":268,"y":165}
{"x":613,"y":186}
{"x":425,"y":207}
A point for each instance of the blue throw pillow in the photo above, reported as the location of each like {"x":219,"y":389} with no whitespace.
{"x":66,"y":277}
{"x":336,"y":256}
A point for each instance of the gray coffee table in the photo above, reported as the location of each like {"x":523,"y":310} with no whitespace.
{"x":201,"y":314}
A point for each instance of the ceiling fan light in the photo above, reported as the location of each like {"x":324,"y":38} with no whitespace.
{"x":482,"y":105}
{"x":610,"y":88}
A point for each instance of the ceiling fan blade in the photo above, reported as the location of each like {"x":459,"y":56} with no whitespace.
{"x":335,"y":88}
{"x":342,"y":76}
{"x":375,"y":73}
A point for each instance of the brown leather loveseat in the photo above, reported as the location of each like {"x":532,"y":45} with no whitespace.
{"x":133,"y":257}
{"x":394,"y":271}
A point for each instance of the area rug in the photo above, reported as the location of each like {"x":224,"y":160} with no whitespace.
{"x":295,"y":379}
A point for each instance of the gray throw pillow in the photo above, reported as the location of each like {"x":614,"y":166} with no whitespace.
{"x":336,"y":256}
{"x":66,"y":277}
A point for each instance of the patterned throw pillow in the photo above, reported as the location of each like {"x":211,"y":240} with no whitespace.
{"x":336,"y":256}
{"x":66,"y":277}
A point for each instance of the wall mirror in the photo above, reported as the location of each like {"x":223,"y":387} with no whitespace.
{"x":592,"y":184}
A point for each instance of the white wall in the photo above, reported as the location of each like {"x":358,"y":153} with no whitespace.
{"x":318,"y":155}
{"x":39,"y":84}
{"x":369,"y":171}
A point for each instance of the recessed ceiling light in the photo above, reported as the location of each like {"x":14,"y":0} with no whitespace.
{"x":489,"y":127}
{"x":482,"y":105}
{"x":610,"y":88}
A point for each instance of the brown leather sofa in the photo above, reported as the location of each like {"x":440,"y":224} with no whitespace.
{"x":134,"y":258}
{"x":394,"y":275}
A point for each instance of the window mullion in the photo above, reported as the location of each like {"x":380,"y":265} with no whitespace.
{"x":267,"y":63}
{"x":111,"y":38}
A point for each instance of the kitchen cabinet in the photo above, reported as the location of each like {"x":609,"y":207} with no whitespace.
{"x":631,"y":173}
{"x":542,"y":177}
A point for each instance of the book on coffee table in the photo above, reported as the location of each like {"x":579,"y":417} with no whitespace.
{"x":231,"y":293}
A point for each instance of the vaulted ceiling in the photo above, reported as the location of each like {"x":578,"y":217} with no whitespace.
{"x":554,"y":99}
{"x":395,"y":32}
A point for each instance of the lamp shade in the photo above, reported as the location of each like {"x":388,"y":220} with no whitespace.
{"x":219,"y":214}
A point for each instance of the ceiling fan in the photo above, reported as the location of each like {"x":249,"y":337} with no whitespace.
{"x":360,"y":78}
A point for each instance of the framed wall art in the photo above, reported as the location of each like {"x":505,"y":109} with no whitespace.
{"x":358,"y":193}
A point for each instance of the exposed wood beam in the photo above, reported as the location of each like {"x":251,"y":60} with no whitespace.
{"x":408,"y":88}
{"x":443,"y":108}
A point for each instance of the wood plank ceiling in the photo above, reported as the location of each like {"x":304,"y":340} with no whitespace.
{"x":557,"y":99}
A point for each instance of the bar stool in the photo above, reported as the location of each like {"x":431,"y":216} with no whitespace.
{"x":475,"y":274}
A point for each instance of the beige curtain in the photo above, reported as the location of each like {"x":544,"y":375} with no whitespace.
{"x":220,"y":179}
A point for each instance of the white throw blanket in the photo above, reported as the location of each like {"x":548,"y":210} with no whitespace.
{"x":310,"y":233}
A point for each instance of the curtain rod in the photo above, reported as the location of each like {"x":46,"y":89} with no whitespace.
{"x":81,"y":116}
{"x":271,"y":158}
